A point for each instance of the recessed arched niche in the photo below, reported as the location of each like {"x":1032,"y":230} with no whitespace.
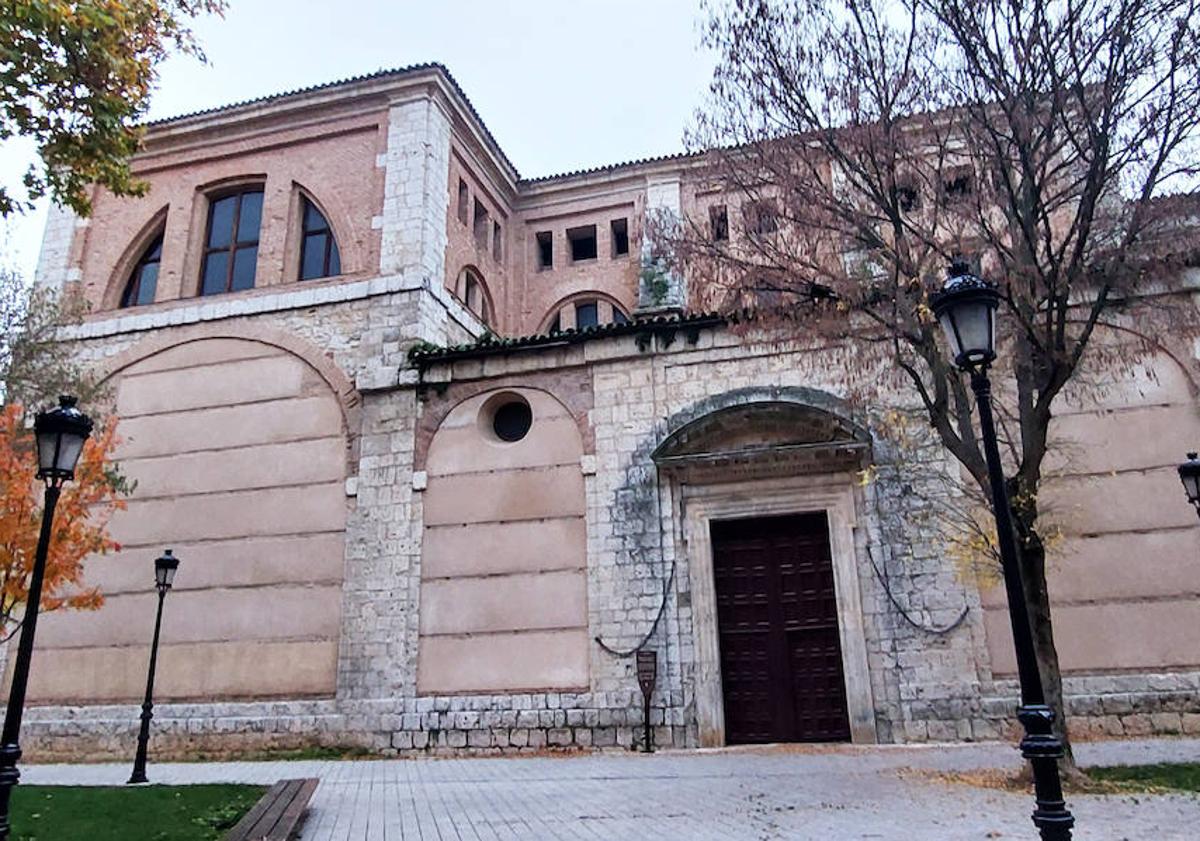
{"x":504,"y":552}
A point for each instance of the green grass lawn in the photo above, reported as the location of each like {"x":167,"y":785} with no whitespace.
{"x":133,"y":813}
{"x":1183,"y":776}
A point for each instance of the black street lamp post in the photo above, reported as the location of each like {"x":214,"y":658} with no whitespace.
{"x":966,"y":308}
{"x":164,"y":576}
{"x":60,"y":433}
{"x":1189,"y":474}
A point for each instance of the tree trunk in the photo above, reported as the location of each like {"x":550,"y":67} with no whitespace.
{"x":1032,"y":559}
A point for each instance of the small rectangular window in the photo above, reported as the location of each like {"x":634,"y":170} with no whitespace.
{"x":587,"y":315}
{"x":619,"y":228}
{"x":545,"y":247}
{"x":760,"y":219}
{"x":583,"y":243}
{"x":958,"y":185}
{"x":718,"y":222}
{"x":463,"y":201}
{"x":497,"y":242}
{"x":481,"y":225}
{"x":908,"y":198}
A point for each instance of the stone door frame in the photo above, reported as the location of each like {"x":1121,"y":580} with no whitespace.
{"x":832,"y":494}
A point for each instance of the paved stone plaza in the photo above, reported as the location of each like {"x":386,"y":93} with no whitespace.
{"x":731,"y":795}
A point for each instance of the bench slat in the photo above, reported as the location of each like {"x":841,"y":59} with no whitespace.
{"x":241,"y":830}
{"x":295,"y":810}
{"x":265,"y":828}
{"x":276,"y":815}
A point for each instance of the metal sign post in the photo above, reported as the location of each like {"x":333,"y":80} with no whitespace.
{"x":647,"y":675}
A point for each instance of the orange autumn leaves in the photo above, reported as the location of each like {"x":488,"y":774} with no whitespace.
{"x":80,"y":521}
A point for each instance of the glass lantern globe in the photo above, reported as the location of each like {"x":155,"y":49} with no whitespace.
{"x":61,"y":433}
{"x":165,"y":567}
{"x":966,"y":309}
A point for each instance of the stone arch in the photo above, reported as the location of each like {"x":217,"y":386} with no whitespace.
{"x":513,"y":617}
{"x":784,"y":435}
{"x":154,"y":227}
{"x":349,"y":400}
{"x":570,"y":388}
{"x":793,"y":402}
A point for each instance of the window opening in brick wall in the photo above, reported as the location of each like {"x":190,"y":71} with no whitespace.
{"x":497,"y":242}
{"x":761,"y":219}
{"x":908,"y":198}
{"x":481,"y":224}
{"x":718,"y":222}
{"x":587,"y":314}
{"x":143,"y":280}
{"x":463,"y":201}
{"x":319,"y":255}
{"x":231,"y":242}
{"x":583,"y":243}
{"x":619,"y":229}
{"x":545,"y":246}
{"x":958,"y":185}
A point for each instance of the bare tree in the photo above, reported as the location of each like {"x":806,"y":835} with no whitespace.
{"x":856,"y":147}
{"x":35,"y":364}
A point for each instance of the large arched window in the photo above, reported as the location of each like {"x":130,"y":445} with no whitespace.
{"x":231,"y":242}
{"x":143,"y":280}
{"x":472,"y":291}
{"x":584,"y":311}
{"x":319,"y":255}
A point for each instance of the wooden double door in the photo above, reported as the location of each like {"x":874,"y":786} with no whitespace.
{"x":781,"y":654}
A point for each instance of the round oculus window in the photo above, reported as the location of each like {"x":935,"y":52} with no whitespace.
{"x":511,"y":420}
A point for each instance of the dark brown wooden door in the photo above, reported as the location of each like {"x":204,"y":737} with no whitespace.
{"x":781,"y":656}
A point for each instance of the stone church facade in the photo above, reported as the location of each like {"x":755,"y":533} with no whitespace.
{"x":437,"y":461}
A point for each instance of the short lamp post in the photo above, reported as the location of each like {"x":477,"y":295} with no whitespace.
{"x":60,"y":433}
{"x":1189,"y":474}
{"x":164,"y":576}
{"x":966,"y":308}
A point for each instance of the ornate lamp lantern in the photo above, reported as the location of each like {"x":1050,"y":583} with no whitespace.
{"x":60,"y":434}
{"x":966,"y":309}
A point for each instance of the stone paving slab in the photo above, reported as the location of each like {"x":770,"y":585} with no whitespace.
{"x":731,"y":795}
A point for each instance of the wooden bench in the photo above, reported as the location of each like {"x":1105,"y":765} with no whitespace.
{"x":276,"y":816}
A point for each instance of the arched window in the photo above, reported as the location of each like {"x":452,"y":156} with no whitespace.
{"x":143,"y":280}
{"x":231,"y":242}
{"x":472,"y":291}
{"x":584,"y":312}
{"x":318,"y":249}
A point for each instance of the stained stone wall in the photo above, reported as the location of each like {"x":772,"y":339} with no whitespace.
{"x":924,"y":684}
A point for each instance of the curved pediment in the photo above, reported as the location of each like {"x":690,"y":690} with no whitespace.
{"x":771,"y":436}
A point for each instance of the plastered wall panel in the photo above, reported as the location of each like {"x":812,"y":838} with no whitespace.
{"x":498,"y":662}
{"x":491,"y":548}
{"x":522,"y":601}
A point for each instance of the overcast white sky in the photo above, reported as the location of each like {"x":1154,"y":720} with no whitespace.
{"x":562,"y":84}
